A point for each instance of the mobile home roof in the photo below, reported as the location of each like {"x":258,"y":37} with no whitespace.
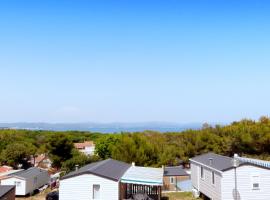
{"x":110,"y":169}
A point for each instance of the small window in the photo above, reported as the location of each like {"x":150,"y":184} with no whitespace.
{"x":35,"y":180}
{"x":17,"y":183}
{"x":96,"y":191}
{"x":202,"y":173}
{"x":255,"y":182}
{"x":172,"y":180}
{"x":213,"y":178}
{"x":256,"y":186}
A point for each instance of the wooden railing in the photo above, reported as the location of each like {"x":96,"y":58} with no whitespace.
{"x":128,"y":190}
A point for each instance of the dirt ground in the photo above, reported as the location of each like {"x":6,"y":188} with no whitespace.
{"x":40,"y":196}
{"x":166,"y":196}
{"x":36,"y":197}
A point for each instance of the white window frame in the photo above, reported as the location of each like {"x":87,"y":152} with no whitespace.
{"x":96,"y":185}
{"x":255,"y":179}
{"x":202,"y":172}
{"x":172,"y":180}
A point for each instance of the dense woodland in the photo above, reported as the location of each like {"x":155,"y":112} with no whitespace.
{"x":148,"y":148}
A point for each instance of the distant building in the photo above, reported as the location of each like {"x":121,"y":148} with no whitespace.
{"x":173,"y":176}
{"x":224,"y":178}
{"x":41,"y":161}
{"x":7,"y":192}
{"x":27,"y":181}
{"x":87,"y":147}
{"x":5,"y":168}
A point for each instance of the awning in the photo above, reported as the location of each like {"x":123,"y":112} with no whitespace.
{"x":143,"y":176}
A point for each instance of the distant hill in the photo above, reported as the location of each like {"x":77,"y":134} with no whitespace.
{"x":103,"y":127}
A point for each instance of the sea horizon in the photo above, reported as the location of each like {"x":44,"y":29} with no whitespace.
{"x":103,"y":127}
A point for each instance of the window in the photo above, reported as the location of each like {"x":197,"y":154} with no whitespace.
{"x":255,"y":182}
{"x":172,"y":180}
{"x":256,"y":186}
{"x":96,"y":191}
{"x":17,"y":183}
{"x":202,"y":173}
{"x":213,"y":178}
{"x":35,"y":180}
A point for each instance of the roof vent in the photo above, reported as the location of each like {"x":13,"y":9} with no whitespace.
{"x":235,"y":155}
{"x":76,"y":167}
{"x":210,"y":161}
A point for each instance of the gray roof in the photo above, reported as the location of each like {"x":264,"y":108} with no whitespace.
{"x":110,"y":169}
{"x":223,"y":163}
{"x":175,"y":171}
{"x":29,"y":173}
{"x":4,"y":189}
{"x":218,"y":162}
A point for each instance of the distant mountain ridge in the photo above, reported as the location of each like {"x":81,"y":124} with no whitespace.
{"x":103,"y":127}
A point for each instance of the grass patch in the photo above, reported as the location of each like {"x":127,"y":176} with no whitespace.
{"x":178,"y":196}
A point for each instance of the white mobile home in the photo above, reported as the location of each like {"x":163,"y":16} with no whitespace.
{"x":111,"y":180}
{"x":27,"y":181}
{"x":219,"y":178}
{"x":98,"y":180}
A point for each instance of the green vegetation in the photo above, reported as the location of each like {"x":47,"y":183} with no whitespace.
{"x":18,"y":146}
{"x":148,"y":148}
{"x":60,"y":149}
{"x":77,"y":159}
{"x":18,"y":153}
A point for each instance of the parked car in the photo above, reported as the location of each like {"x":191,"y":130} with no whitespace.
{"x":53,"y":196}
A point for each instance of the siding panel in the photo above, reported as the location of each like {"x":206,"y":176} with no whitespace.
{"x":213,"y":191}
{"x":81,"y":187}
{"x":244,"y":183}
{"x":42,"y":179}
{"x":194,"y":175}
{"x":205,"y":185}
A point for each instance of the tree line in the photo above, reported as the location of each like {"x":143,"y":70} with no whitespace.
{"x":148,"y":148}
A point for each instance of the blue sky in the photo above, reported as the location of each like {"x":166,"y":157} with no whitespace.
{"x":134,"y":61}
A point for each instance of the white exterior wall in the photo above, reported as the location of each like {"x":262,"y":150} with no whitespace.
{"x":21,"y":190}
{"x":213,"y":191}
{"x":88,"y":150}
{"x":81,"y":187}
{"x":225,"y":183}
{"x":42,"y":179}
{"x":204,"y":185}
{"x":195,"y":175}
{"x":244,"y":183}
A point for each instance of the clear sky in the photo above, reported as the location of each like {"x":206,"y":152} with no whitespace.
{"x":134,"y":61}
